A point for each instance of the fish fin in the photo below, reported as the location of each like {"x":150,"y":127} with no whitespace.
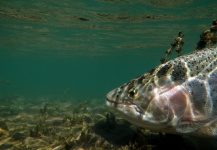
{"x":188,"y":127}
{"x":191,"y":126}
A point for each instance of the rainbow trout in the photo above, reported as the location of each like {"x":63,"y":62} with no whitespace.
{"x":178,"y":97}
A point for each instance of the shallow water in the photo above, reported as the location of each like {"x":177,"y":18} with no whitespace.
{"x":79,"y":50}
{"x":88,"y":48}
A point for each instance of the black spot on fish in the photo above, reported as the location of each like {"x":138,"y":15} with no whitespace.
{"x":140,"y":79}
{"x":152,"y":71}
{"x":163,"y":71}
{"x":199,"y":95}
{"x":212,"y":80}
{"x":150,"y":87}
{"x":179,"y":72}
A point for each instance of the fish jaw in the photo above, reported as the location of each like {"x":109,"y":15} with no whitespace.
{"x":164,"y":112}
{"x":128,"y":111}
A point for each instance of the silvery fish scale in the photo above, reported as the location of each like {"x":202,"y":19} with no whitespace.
{"x":179,"y":96}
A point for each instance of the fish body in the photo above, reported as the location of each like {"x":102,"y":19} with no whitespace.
{"x":178,"y":97}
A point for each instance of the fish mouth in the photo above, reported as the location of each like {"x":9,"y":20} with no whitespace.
{"x":126,"y":107}
{"x":135,"y":114}
{"x":128,"y":111}
{"x":118,"y":103}
{"x":122,"y":107}
{"x":114,"y":104}
{"x":111,"y":101}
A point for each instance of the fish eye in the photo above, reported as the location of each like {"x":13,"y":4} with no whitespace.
{"x":132,"y":92}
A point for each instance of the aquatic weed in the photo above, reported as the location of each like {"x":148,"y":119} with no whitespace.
{"x":110,"y":120}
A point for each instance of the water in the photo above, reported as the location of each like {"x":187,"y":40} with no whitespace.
{"x":83,"y":49}
{"x":90,"y":47}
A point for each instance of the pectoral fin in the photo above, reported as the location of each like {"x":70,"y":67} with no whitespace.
{"x":191,"y":126}
{"x":188,"y":127}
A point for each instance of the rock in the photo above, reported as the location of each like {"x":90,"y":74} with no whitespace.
{"x":55,"y":121}
{"x":23,"y":117}
{"x":59,"y":147}
{"x":18,"y":136}
{"x":3,"y":133}
{"x":32,"y":109}
{"x":3,"y":126}
{"x":34,"y":143}
{"x":6,"y":146}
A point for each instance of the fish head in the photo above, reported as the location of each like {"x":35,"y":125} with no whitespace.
{"x":147,"y":104}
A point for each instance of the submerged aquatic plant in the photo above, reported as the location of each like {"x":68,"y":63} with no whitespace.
{"x":44,"y":110}
{"x":82,"y":107}
{"x":42,"y":129}
{"x":110,"y":120}
{"x":35,"y":132}
{"x":177,"y":45}
{"x":76,"y":119}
